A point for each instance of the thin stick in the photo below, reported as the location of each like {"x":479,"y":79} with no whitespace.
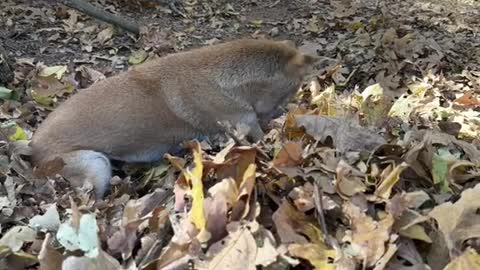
{"x":103,"y":15}
{"x":318,"y":198}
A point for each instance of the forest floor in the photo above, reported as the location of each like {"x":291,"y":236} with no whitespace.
{"x":376,"y":165}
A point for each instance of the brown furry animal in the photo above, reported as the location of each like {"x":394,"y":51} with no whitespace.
{"x":139,"y":115}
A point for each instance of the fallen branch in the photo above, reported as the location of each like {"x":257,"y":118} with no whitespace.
{"x":102,"y":15}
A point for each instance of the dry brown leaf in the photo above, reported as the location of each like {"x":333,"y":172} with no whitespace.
{"x":102,"y":262}
{"x":227,"y":188}
{"x":289,"y":158}
{"x":459,"y":221}
{"x":346,"y":136}
{"x":266,"y":252}
{"x":242,"y":206}
{"x":49,"y":258}
{"x":407,"y":257}
{"x":173,"y":254}
{"x":105,"y":35}
{"x":468,"y":99}
{"x":349,"y":181}
{"x":216,"y":215}
{"x":237,"y":251}
{"x":367,"y":236}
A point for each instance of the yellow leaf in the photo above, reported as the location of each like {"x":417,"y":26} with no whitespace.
{"x":317,"y":255}
{"x":326,"y":101}
{"x":385,"y":188}
{"x":19,"y":134}
{"x":137,"y":57}
{"x":194,"y":176}
{"x":57,"y":70}
{"x":468,"y":260}
{"x":417,"y":232}
{"x":256,"y":23}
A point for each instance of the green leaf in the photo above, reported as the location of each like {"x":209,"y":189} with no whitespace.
{"x":42,"y":100}
{"x":5,"y":93}
{"x":19,"y":134}
{"x":440,"y":162}
{"x":137,"y":57}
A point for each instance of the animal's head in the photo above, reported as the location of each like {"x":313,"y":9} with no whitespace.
{"x":291,"y":66}
{"x":299,"y":63}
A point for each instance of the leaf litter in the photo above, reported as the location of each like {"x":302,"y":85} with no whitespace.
{"x":375,"y":165}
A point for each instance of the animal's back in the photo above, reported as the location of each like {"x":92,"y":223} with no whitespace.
{"x":111,"y":117}
{"x":137,"y":115}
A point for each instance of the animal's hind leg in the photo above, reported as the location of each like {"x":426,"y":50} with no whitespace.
{"x":87,"y":165}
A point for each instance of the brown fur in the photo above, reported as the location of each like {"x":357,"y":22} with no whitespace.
{"x":139,"y":115}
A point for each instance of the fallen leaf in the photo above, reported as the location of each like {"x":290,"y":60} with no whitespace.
{"x":468,"y":99}
{"x":227,"y":188}
{"x":105,"y":35}
{"x":58,"y":71}
{"x":49,"y":221}
{"x":384,"y":190}
{"x":416,"y":232}
{"x":266,"y":252}
{"x":289,"y":158}
{"x":319,"y":256}
{"x":18,"y":135}
{"x":195,"y":176}
{"x":85,"y":239}
{"x":345,"y":135}
{"x":17,"y":236}
{"x":241,"y":208}
{"x":137,"y":57}
{"x":5,"y":93}
{"x":367,"y":236}
{"x":174,"y":254}
{"x":45,"y":89}
{"x":468,"y":260}
{"x":459,"y":221}
{"x":49,"y":257}
{"x":440,"y":168}
{"x":101,"y":262}
{"x":349,"y":181}
{"x":236,"y":252}
{"x":216,"y":215}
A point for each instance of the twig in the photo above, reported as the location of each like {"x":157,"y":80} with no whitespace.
{"x":318,"y":198}
{"x":102,"y":15}
{"x":274,"y":4}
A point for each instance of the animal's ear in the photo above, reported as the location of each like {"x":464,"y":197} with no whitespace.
{"x":304,"y":60}
{"x":310,"y":59}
